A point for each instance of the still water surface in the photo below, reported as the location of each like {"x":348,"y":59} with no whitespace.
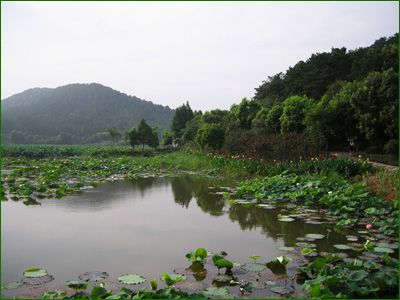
{"x":144,"y":226}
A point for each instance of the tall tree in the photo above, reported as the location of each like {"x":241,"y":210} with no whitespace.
{"x":183,"y":114}
{"x":114,"y":134}
{"x":294,"y":113}
{"x":143,"y":135}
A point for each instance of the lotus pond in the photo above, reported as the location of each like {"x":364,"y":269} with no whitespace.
{"x":126,"y":232}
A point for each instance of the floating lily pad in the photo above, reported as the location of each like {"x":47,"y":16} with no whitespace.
{"x":39,"y":280}
{"x":285,"y":219}
{"x":387,"y":245}
{"x":93,"y":276}
{"x":13,"y":285}
{"x":223,"y":278}
{"x":131,"y":279}
{"x":285,"y":248}
{"x":315,"y":236}
{"x":35,"y":272}
{"x":341,"y":254}
{"x":308,"y":251}
{"x":312,"y":222}
{"x":242,"y":201}
{"x":342,"y":247}
{"x":218,"y":292}
{"x":363,"y":232}
{"x":266,"y":206}
{"x":306,"y":245}
{"x":383,"y":250}
{"x":254,"y":267}
{"x":352,"y":238}
{"x":56,"y":294}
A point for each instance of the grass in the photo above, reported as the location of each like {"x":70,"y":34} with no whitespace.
{"x":383,"y":183}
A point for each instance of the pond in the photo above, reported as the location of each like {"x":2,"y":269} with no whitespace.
{"x":143,"y":226}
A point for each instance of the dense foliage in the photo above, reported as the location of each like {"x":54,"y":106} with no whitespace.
{"x":75,"y":114}
{"x":341,"y":100}
{"x":63,"y":174}
{"x":143,"y":135}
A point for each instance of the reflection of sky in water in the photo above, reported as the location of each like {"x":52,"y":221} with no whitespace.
{"x":144,"y":226}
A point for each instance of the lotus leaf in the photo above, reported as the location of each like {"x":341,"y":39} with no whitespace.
{"x":99,"y":292}
{"x":13,"y":285}
{"x":153,"y":284}
{"x":216,"y":292}
{"x":308,"y":251}
{"x":285,"y":248}
{"x":54,"y":295}
{"x":93,"y":276}
{"x":254,"y":267}
{"x":35,"y":272}
{"x":278,"y":265}
{"x":312,"y":222}
{"x":306,"y":245}
{"x":351,"y":238}
{"x":223,"y":278}
{"x":315,"y":236}
{"x":358,"y":275}
{"x":221,"y":262}
{"x":254,"y":257}
{"x":131,"y":279}
{"x":285,"y":219}
{"x":266,"y":206}
{"x":171,"y":279}
{"x":383,"y":250}
{"x":201,"y":252}
{"x":342,"y":247}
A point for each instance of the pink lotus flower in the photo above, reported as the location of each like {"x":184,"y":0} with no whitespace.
{"x":368,"y":226}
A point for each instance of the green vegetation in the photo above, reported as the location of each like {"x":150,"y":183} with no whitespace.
{"x":29,"y":179}
{"x":295,"y":114}
{"x":143,"y":135}
{"x":324,"y":275}
{"x":280,"y":140}
{"x":61,"y":115}
{"x":349,"y":203}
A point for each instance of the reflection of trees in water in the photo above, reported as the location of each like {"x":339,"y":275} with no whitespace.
{"x":143,"y":184}
{"x":186,"y":187}
{"x":182,"y":188}
{"x":254,"y":217}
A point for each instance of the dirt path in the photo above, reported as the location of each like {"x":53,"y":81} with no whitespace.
{"x":373,"y":163}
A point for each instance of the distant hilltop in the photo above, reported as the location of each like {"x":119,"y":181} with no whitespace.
{"x":75,"y":113}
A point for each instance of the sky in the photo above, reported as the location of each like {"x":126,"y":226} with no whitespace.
{"x":210,"y":54}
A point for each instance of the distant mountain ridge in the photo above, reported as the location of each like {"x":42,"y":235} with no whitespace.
{"x":75,"y":113}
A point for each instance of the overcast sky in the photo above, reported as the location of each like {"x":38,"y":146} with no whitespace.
{"x":211,"y":54}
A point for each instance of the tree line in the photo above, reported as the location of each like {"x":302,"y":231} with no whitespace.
{"x":336,"y":100}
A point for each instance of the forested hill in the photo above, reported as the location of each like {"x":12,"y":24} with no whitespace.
{"x":75,"y":113}
{"x":322,"y":72}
